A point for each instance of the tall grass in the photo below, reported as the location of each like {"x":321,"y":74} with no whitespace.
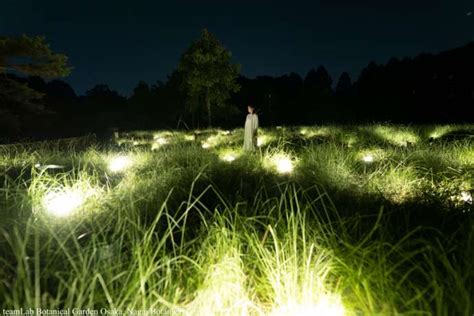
{"x":183,"y":230}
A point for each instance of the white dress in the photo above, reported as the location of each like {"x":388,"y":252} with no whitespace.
{"x":250,"y":134}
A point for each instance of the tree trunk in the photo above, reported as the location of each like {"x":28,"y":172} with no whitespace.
{"x":208,"y":105}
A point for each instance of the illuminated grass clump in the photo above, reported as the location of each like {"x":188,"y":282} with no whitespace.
{"x":319,"y":131}
{"x":65,"y":195}
{"x":63,"y":203}
{"x":372,"y":155}
{"x":440,"y":131}
{"x":224,"y":288}
{"x":399,"y":185}
{"x":212,"y":141}
{"x":230,"y":155}
{"x":280,"y":162}
{"x":265,"y":138}
{"x":399,"y":136}
{"x":120,"y":163}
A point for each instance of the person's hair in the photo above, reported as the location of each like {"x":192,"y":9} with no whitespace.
{"x":252,"y":106}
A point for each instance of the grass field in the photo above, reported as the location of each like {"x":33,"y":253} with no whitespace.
{"x":321,"y":220}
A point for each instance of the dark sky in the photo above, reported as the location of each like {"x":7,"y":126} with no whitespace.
{"x":121,"y":42}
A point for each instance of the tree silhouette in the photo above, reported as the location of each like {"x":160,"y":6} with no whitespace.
{"x":208,"y":76}
{"x":319,"y":82}
{"x":317,"y":92}
{"x":289,"y":107}
{"x":102,"y":107}
{"x":344,"y":85}
{"x":28,"y":56}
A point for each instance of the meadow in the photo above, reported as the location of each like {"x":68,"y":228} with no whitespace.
{"x":320,"y":220}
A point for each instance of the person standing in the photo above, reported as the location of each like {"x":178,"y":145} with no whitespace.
{"x":251,"y":127}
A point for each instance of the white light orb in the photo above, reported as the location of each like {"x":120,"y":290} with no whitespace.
{"x":228,"y":158}
{"x":206,"y":145}
{"x":368,"y":158}
{"x":189,"y":137}
{"x":61,"y":204}
{"x":283,"y":164}
{"x":161,"y":141}
{"x":119,"y":163}
{"x":466,"y":197}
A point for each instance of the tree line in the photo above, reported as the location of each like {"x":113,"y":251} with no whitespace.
{"x":206,"y":89}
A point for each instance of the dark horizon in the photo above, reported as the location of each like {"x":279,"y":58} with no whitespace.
{"x":265,"y":38}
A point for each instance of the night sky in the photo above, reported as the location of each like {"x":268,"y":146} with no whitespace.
{"x":121,"y":42}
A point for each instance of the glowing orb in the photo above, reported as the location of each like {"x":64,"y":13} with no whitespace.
{"x":283,"y":164}
{"x":160,"y":141}
{"x":228,"y":158}
{"x":189,"y":137}
{"x":262,"y":140}
{"x":119,"y":163}
{"x":368,"y":158}
{"x":466,"y":197}
{"x":206,"y":145}
{"x":62,"y":204}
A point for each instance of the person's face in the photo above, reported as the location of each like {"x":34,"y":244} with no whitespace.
{"x":250,"y":109}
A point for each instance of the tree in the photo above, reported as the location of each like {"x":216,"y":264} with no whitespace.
{"x":319,"y":82}
{"x":38,"y":59}
{"x":344,"y":84}
{"x":141,"y":98}
{"x":208,"y":76}
{"x":103,"y":107}
{"x":28,"y":56}
{"x":289,"y":90}
{"x":317,"y":87}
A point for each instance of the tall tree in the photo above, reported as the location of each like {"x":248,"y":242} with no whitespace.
{"x":141,"y":98}
{"x":317,"y":87}
{"x":319,"y":81}
{"x":32,"y":56}
{"x":103,"y":107}
{"x":208,"y":75}
{"x":28,"y":56}
{"x":344,"y":84}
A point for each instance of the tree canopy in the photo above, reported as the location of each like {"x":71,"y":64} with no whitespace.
{"x":208,"y":77}
{"x":30,"y":56}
